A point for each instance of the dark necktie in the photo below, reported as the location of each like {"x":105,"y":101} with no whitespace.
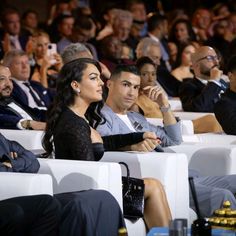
{"x":224,"y":84}
{"x":32,"y":92}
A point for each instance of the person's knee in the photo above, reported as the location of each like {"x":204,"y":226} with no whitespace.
{"x":152,"y":185}
{"x":50,"y":205}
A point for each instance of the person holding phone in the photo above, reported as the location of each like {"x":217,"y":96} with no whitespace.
{"x":46,"y":61}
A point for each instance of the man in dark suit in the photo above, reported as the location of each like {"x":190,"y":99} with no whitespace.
{"x":12,"y":114}
{"x":225,"y":108}
{"x":29,"y":93}
{"x":75,"y":213}
{"x":202,"y":92}
{"x":11,"y":35}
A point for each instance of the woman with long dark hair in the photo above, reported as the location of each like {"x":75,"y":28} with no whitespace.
{"x":71,"y":124}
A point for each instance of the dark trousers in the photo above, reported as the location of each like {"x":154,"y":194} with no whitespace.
{"x":29,"y":215}
{"x":90,"y":213}
{"x":84,"y":213}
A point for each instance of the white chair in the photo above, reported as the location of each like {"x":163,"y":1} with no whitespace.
{"x":184,"y":115}
{"x":209,"y":159}
{"x":21,"y":184}
{"x":170,"y":169}
{"x":210,"y":138}
{"x":29,"y":139}
{"x":175,"y":104}
{"x":69,"y":176}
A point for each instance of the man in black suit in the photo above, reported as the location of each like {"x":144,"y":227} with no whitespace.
{"x":12,"y":114}
{"x":202,"y":92}
{"x":11,"y":35}
{"x":26,"y":92}
{"x":225,"y":108}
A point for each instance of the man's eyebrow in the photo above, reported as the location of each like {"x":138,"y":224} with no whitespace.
{"x":128,"y":82}
{"x":93,"y":73}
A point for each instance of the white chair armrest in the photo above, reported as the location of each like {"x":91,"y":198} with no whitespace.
{"x":29,"y":139}
{"x":221,"y":139}
{"x":169,"y":168}
{"x":183,"y":115}
{"x":21,"y":184}
{"x":186,"y":125}
{"x":209,"y":159}
{"x":69,"y":176}
{"x":175,"y":104}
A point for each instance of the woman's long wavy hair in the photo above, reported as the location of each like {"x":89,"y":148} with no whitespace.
{"x":65,"y":96}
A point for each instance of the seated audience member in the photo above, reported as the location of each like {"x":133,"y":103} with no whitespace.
{"x":158,"y":30}
{"x":221,"y":39}
{"x":77,"y":108}
{"x":79,"y":50}
{"x":201,"y":22}
{"x":148,"y":47}
{"x":11,"y":36}
{"x":183,"y":63}
{"x":61,"y":27}
{"x":30,"y":21}
{"x":82,"y":32}
{"x":80,"y":213}
{"x":145,"y":105}
{"x":12,"y":114}
{"x":110,"y":51}
{"x":150,"y":109}
{"x":182,"y":32}
{"x":123,"y":89}
{"x":44,"y":68}
{"x":202,"y":92}
{"x":225,"y":108}
{"x":26,"y":92}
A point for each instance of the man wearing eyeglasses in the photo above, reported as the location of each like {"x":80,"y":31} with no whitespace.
{"x":202,"y":92}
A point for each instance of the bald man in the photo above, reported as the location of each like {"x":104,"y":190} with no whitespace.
{"x":202,"y":92}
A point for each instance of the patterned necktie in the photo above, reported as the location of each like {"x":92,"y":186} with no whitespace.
{"x":33,"y":94}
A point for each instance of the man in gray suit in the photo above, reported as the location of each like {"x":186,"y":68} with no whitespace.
{"x":123,"y":92}
{"x":123,"y":89}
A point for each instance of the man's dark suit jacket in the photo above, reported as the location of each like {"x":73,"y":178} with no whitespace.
{"x":9,"y":117}
{"x":169,"y":83}
{"x":23,"y":39}
{"x":198,"y":97}
{"x":225,"y":112}
{"x":25,"y":162}
{"x":46,"y":95}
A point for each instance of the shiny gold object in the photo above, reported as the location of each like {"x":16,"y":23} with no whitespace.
{"x":224,"y":218}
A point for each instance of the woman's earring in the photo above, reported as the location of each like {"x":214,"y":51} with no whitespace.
{"x":77,"y":90}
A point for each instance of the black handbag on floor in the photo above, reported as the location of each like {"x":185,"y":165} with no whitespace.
{"x":133,"y":195}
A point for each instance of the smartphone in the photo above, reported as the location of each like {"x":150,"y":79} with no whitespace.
{"x":52,"y":49}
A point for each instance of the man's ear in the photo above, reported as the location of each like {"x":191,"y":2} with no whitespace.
{"x":109,"y":83}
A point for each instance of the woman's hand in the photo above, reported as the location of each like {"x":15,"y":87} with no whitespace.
{"x":156,"y":94}
{"x":58,"y":65}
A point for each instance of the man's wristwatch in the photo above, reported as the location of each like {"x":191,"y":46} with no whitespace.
{"x":26,"y":124}
{"x":165,"y":109}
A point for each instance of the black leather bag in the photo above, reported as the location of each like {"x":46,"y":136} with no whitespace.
{"x":133,"y":195}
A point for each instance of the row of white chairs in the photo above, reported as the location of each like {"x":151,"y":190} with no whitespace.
{"x":57,"y":176}
{"x":211,"y":154}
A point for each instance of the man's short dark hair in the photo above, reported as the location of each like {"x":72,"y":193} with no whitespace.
{"x":155,"y":21}
{"x":124,"y":68}
{"x":232,"y":64}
